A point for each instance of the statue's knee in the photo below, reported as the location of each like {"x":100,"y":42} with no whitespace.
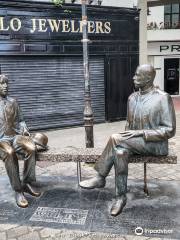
{"x":114,"y":136}
{"x":121,"y":152}
{"x":9,"y":152}
{"x":30,"y":147}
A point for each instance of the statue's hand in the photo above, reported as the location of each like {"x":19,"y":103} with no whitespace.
{"x":26,"y":132}
{"x":132,"y":133}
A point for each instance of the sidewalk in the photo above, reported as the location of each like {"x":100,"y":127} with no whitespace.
{"x":57,"y":179}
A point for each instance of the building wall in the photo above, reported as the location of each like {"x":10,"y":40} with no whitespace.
{"x":156,"y":14}
{"x":120,"y":3}
{"x":115,"y":3}
{"x":163,"y":35}
{"x":142,"y":4}
{"x":163,"y":46}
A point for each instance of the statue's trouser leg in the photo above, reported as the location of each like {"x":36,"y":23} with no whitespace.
{"x":117,"y":157}
{"x":26,"y":147}
{"x":11,"y":163}
{"x":121,"y":172}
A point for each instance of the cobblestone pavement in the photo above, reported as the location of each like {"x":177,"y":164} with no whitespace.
{"x":162,"y":172}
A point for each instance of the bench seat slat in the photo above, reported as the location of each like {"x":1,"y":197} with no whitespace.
{"x":93,"y":154}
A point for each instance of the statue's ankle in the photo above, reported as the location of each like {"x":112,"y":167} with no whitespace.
{"x":121,"y":196}
{"x":100,"y":176}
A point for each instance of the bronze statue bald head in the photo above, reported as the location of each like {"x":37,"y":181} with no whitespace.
{"x":144,"y":76}
{"x":3,"y":85}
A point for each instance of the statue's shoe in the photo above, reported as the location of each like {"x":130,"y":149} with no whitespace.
{"x":96,"y":182}
{"x":118,"y":205}
{"x":29,"y":189}
{"x":21,"y":200}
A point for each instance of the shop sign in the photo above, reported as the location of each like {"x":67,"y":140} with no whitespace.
{"x":163,"y":48}
{"x":51,"y":25}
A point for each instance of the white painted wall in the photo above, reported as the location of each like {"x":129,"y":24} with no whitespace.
{"x":115,"y":3}
{"x":120,"y":3}
{"x":164,"y":35}
{"x":156,"y":14}
{"x":142,"y":4}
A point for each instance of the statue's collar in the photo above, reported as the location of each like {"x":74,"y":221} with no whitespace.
{"x":3,"y":98}
{"x":146,"y":91}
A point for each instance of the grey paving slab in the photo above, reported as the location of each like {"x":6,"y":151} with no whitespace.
{"x":65,"y":206}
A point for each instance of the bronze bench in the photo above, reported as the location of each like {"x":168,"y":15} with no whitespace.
{"x":91,"y":155}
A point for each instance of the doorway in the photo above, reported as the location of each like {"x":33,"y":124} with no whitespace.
{"x":171,"y":76}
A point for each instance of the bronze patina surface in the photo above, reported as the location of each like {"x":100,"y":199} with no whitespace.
{"x":150,"y":123}
{"x":16,"y":140}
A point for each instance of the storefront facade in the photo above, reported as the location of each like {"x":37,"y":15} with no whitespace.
{"x":41,"y":52}
{"x":165,"y":57}
{"x":164,"y":45}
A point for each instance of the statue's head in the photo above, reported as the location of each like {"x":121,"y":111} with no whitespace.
{"x":144,"y":76}
{"x":3,"y":85}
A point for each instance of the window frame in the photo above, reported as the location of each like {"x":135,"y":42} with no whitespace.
{"x":169,"y":25}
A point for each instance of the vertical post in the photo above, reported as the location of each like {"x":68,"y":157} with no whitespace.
{"x":78,"y":172}
{"x":145,"y":180}
{"x":88,"y":113}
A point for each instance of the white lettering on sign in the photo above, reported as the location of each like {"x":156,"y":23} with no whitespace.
{"x":43,"y":25}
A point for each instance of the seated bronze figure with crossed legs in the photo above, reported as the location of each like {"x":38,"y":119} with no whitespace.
{"x":150,"y":123}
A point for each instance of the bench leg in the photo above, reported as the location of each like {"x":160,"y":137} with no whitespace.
{"x":145,"y":180}
{"x":79,"y":172}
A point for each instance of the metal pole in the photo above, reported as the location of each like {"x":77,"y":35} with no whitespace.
{"x":145,"y":180}
{"x":88,"y":113}
{"x":79,"y":172}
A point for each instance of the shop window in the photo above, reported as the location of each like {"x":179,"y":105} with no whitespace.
{"x":172,"y":16}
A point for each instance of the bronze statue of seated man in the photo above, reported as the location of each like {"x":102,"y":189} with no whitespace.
{"x":15,"y":140}
{"x":150,"y":123}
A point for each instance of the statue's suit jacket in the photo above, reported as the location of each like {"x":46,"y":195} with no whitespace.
{"x":153,"y":112}
{"x":11,"y":118}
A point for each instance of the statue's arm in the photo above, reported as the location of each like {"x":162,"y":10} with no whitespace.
{"x":167,"y":126}
{"x":22,"y":124}
{"x":127,"y":118}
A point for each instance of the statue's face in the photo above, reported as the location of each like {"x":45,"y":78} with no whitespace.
{"x":139,"y":79}
{"x":3,"y":87}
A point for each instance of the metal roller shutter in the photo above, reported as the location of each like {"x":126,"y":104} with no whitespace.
{"x":50,"y":89}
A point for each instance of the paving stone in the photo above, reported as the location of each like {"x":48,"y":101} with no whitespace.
{"x":157,"y":239}
{"x":32,"y":229}
{"x":109,"y":237}
{"x":4,"y":227}
{"x":49,"y":232}
{"x":87,"y":236}
{"x":69,"y":235}
{"x":18,"y":231}
{"x":30,"y":236}
{"x":129,"y":237}
{"x":3,"y":236}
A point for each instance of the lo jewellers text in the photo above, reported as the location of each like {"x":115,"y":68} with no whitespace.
{"x":53,"y":25}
